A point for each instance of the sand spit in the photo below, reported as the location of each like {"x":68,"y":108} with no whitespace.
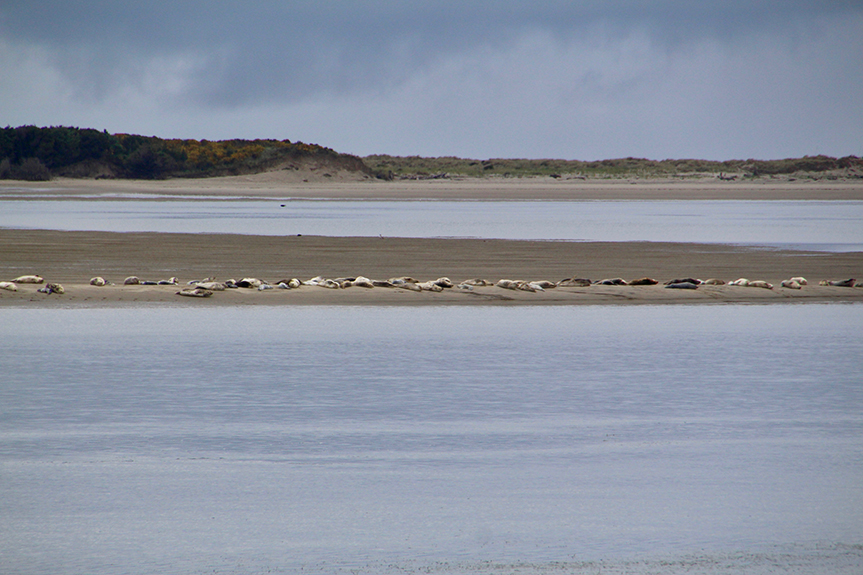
{"x":74,"y":258}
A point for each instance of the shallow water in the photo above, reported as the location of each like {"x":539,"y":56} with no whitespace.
{"x":700,"y":439}
{"x":818,"y":225}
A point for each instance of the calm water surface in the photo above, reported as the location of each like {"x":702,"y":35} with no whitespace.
{"x":821,"y":225}
{"x":707,"y":439}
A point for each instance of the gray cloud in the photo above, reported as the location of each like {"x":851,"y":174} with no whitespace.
{"x":480,"y":78}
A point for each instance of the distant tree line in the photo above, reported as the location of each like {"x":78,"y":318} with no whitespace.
{"x":32,"y":153}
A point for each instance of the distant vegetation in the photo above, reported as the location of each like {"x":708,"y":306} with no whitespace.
{"x":415,"y":167}
{"x":31,"y":153}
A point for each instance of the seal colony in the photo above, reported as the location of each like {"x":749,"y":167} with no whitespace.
{"x":481,"y":289}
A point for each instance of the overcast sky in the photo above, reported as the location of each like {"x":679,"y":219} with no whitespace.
{"x":584,"y":80}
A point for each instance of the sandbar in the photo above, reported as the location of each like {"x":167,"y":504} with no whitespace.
{"x":72,"y":258}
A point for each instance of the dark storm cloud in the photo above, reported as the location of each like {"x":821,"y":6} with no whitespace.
{"x":253,"y":52}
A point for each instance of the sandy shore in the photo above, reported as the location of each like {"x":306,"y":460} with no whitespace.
{"x":72,"y":258}
{"x":277,"y":186}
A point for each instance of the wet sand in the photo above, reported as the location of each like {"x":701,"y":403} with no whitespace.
{"x":72,"y":258}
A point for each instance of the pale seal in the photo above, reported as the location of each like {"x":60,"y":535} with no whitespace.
{"x":195,"y":292}
{"x":477,"y":282}
{"x":9,"y":286}
{"x":29,"y":279}
{"x":790,"y":284}
{"x":429,"y":286}
{"x":574,"y":282}
{"x":131,"y":281}
{"x":97,"y":281}
{"x":212,"y":286}
{"x":362,"y":282}
{"x":713,"y":282}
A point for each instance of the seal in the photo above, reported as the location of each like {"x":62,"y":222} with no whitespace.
{"x":760,"y":284}
{"x":478,"y":282}
{"x":29,"y":279}
{"x":839,"y":283}
{"x":195,"y":292}
{"x":52,"y":288}
{"x":250,"y":283}
{"x":168,"y":282}
{"x":363,"y":282}
{"x":292,"y":283}
{"x":645,"y":281}
{"x":429,"y":286}
{"x":574,"y":282}
{"x":97,"y":281}
{"x":211,"y":285}
{"x":739,"y":282}
{"x":713,"y":282}
{"x":684,"y":281}
{"x":9,"y":286}
{"x":131,"y":281}
{"x":790,"y":284}
{"x":507,"y":284}
{"x":681,"y":285}
{"x":800,"y":279}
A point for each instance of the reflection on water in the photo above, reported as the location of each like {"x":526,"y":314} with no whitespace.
{"x":383,"y":440}
{"x":822,"y":225}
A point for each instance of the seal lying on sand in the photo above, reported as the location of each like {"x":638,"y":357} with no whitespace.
{"x":292,"y":283}
{"x":760,"y":284}
{"x":838,"y":283}
{"x":131,"y":281}
{"x":643,"y":282}
{"x":612,"y":282}
{"x":97,"y":281}
{"x":479,"y":282}
{"x":430,"y":286}
{"x":250,"y":283}
{"x":195,"y":292}
{"x":574,"y":282}
{"x":682,"y":285}
{"x":52,"y":288}
{"x":693,"y":281}
{"x":211,"y":285}
{"x":10,"y":286}
{"x":713,"y":282}
{"x":790,"y":284}
{"x":29,"y":279}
